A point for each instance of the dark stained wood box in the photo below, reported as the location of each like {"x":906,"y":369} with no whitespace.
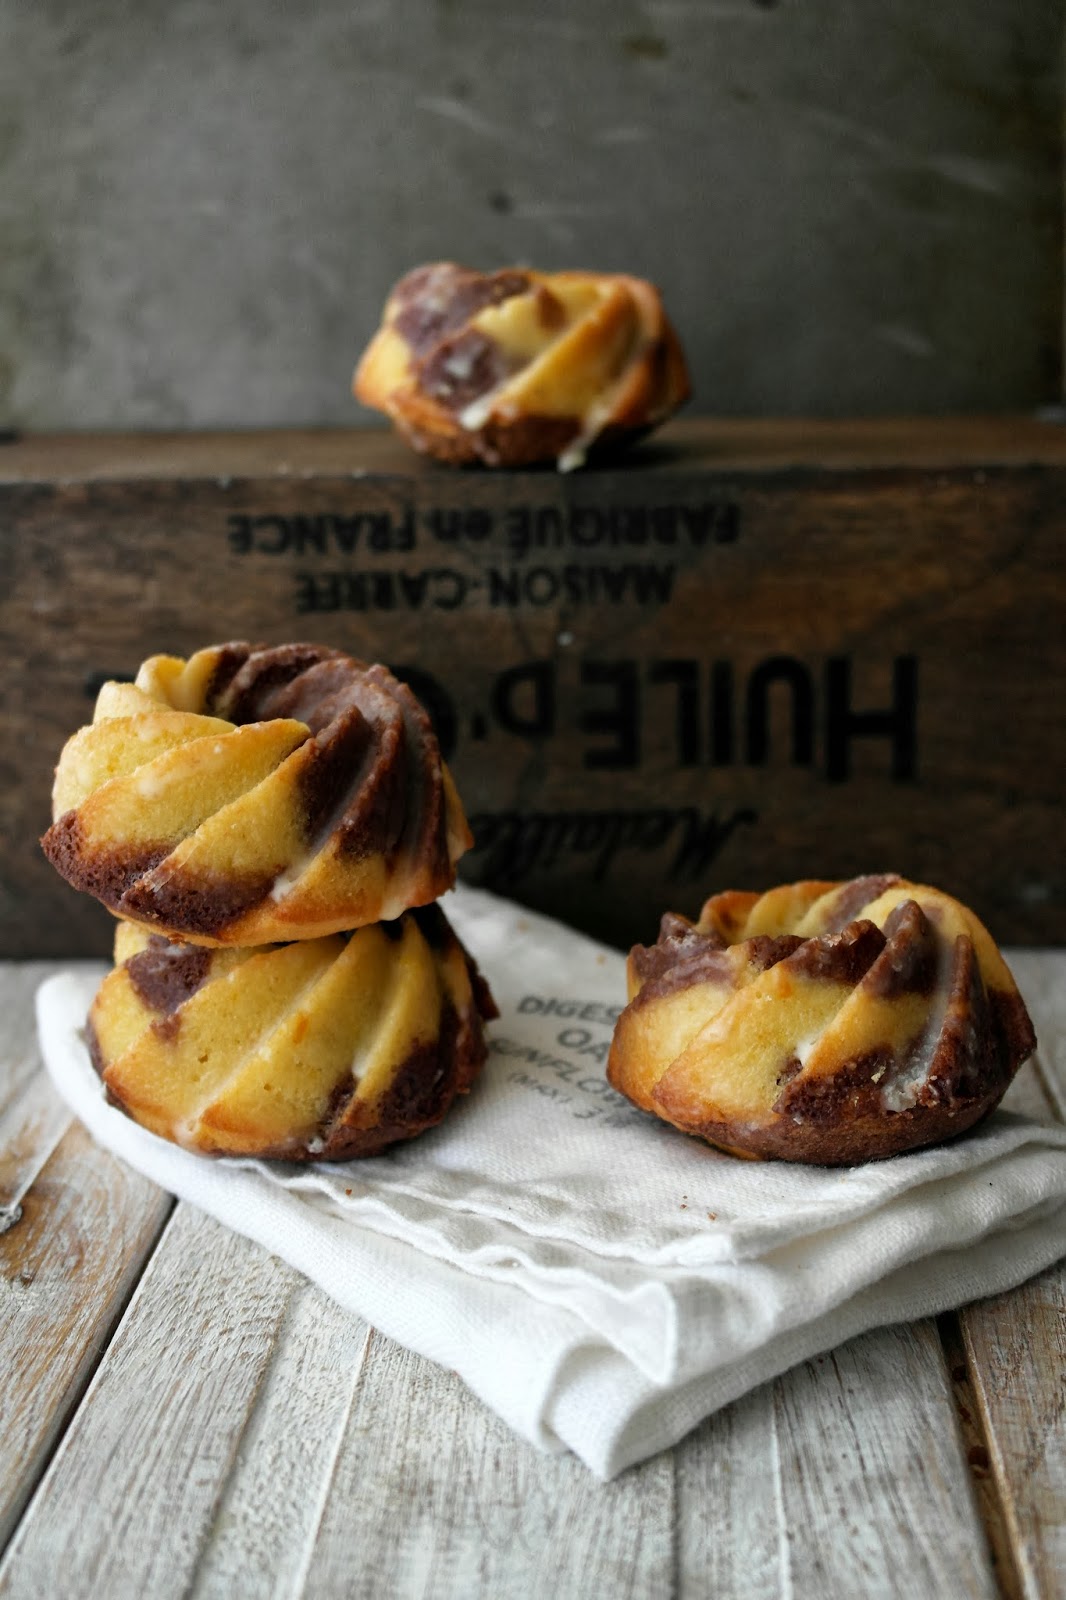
{"x":752,"y":651}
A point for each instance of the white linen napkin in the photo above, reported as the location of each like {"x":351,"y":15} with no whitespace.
{"x":598,"y":1279}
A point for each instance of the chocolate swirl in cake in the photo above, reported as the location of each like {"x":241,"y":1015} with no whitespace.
{"x":516,"y":367}
{"x":323,"y":1049}
{"x":828,"y":1023}
{"x":256,"y":793}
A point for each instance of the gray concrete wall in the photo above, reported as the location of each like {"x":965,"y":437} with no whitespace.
{"x":850,"y":205}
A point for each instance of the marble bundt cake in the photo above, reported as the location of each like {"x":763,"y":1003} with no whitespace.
{"x":515,"y":367}
{"x":822,"y":1022}
{"x":252,"y":794}
{"x":324,"y":1049}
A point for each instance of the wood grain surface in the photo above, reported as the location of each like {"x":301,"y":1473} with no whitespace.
{"x":748,"y":653}
{"x":166,"y":1413}
{"x":1016,"y":1346}
{"x":238,"y":1434}
{"x":692,"y":443}
{"x":32,"y":1116}
{"x":468,"y":1513}
{"x":75,"y":1229}
{"x":1016,"y":1343}
{"x":290,"y":1452}
{"x":842,"y":1478}
{"x":266,"y":1527}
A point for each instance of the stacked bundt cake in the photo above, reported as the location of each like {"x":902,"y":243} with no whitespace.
{"x":821,"y":1022}
{"x":251,"y":794}
{"x":515,"y":367}
{"x":272,"y":825}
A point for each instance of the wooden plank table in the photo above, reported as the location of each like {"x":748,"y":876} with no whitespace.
{"x":182,"y":1414}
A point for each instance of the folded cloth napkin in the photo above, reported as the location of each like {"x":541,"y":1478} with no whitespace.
{"x":598,"y":1279}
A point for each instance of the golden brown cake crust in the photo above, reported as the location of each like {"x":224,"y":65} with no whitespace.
{"x":324,"y":1051}
{"x":515,"y":368}
{"x":256,"y":793}
{"x":829,"y":1023}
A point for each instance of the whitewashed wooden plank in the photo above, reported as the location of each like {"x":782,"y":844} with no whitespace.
{"x":32,"y":1116}
{"x":31,"y":1125}
{"x":730,"y":1539}
{"x":1015,"y":1344}
{"x":974,"y":1442}
{"x":67,"y":1266}
{"x":75,"y":1228}
{"x":845,"y":1477}
{"x":268,"y":1515}
{"x":245,"y":1468}
{"x":127,"y":1503}
{"x":1041,"y":976}
{"x":19,"y":1059}
{"x":434,"y":1497}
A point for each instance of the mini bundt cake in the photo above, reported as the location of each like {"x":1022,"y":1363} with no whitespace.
{"x":830,"y":1023}
{"x":323,"y":1049}
{"x":253,"y":794}
{"x":515,"y":367}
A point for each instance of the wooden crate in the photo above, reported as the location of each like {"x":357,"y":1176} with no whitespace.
{"x":754,"y":651}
